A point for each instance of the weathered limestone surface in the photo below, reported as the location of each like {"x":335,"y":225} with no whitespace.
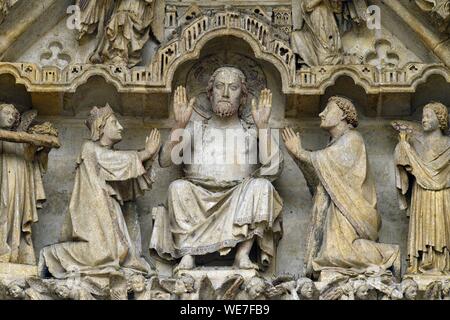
{"x":134,"y":55}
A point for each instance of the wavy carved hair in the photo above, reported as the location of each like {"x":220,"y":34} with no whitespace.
{"x":441,"y":112}
{"x":349,"y":109}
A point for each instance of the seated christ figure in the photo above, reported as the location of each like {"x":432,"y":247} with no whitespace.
{"x":226,"y":198}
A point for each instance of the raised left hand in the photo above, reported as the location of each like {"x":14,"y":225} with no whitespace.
{"x":153,"y":142}
{"x":261,"y":111}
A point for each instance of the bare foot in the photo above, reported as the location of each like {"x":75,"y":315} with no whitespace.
{"x":186,"y":263}
{"x":265,"y":260}
{"x":244,"y":262}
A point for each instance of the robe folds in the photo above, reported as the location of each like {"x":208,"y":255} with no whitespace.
{"x":92,"y":12}
{"x":346,"y":200}
{"x":21,"y":194}
{"x":95,"y":239}
{"x":318,"y":40}
{"x":429,"y":229}
{"x":129,"y":30}
{"x":217,"y":206}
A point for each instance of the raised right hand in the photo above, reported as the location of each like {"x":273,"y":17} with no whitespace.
{"x":182,"y":110}
{"x":292,"y":141}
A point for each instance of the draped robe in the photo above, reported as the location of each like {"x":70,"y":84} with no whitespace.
{"x":317,"y":40}
{"x":95,"y":239}
{"x":345,"y":209}
{"x":128,"y":31}
{"x":217,"y":206}
{"x":21,"y":194}
{"x":92,"y":14}
{"x":429,"y":229}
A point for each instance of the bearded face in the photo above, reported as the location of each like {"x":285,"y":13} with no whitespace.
{"x":227,"y":93}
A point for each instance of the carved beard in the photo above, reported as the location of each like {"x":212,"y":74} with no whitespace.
{"x":225,"y":109}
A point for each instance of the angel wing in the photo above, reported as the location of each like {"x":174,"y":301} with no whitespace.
{"x":45,"y":128}
{"x":331,"y":293}
{"x":3,"y":289}
{"x":333,"y":290}
{"x":433,"y":291}
{"x":118,"y":287}
{"x":93,"y":287}
{"x":6,"y":283}
{"x":40,"y":285}
{"x":168,"y":284}
{"x":26,"y":120}
{"x":230,"y":288}
{"x":39,"y":289}
{"x":206,"y":290}
{"x":389,"y":290}
{"x":283,"y":278}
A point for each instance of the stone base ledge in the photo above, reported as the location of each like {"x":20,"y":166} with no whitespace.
{"x":217,"y":275}
{"x":423,"y":280}
{"x":18,"y":270}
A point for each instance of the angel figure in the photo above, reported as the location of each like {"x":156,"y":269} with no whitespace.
{"x":363,"y":290}
{"x":423,"y":154}
{"x":433,"y":291}
{"x":181,"y":288}
{"x":24,"y":289}
{"x":255,"y":288}
{"x":70,"y":290}
{"x":147,"y":289}
{"x":347,"y":288}
{"x":23,"y":160}
{"x":227,"y":291}
{"x":301,"y":289}
{"x":410,"y":289}
{"x":338,"y":288}
{"x":123,"y":28}
{"x":386,"y":288}
{"x":13,"y":289}
{"x":446,"y":290}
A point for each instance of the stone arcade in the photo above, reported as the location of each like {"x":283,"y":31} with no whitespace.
{"x":221,"y":150}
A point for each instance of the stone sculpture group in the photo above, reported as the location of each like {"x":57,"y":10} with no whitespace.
{"x":225,"y":205}
{"x":218,"y":206}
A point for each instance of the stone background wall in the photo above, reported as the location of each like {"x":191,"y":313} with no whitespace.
{"x":299,"y":112}
{"x":291,"y":185}
{"x":379,"y":137}
{"x":141,"y":112}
